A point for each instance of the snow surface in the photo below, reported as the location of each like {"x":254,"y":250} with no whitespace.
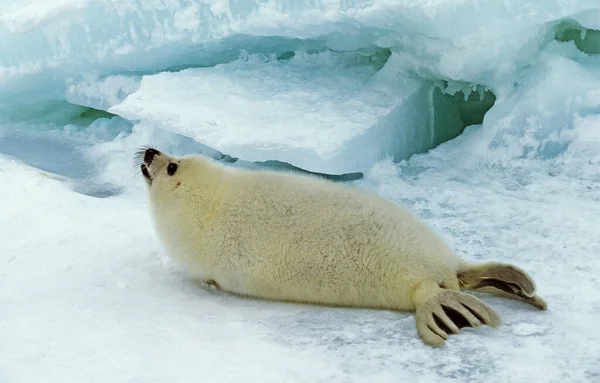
{"x":89,"y":295}
{"x":87,"y":292}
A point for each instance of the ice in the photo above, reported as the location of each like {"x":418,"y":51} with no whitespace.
{"x":87,"y":292}
{"x":313,"y":112}
{"x":103,"y":93}
{"x":44,"y":43}
{"x":96,"y":54}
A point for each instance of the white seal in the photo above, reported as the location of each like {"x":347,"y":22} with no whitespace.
{"x":298,"y":238}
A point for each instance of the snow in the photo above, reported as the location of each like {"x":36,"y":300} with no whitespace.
{"x":85,"y":312}
{"x":87,"y":292}
{"x":90,"y":295}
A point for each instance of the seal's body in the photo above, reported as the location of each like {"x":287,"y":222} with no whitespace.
{"x":283,"y":236}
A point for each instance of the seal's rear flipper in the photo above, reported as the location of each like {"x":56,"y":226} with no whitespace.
{"x":441,"y":312}
{"x":501,"y":279}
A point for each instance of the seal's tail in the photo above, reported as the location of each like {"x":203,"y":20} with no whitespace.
{"x":500,"y":279}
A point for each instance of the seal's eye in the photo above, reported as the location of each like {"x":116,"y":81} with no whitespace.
{"x":171,"y":169}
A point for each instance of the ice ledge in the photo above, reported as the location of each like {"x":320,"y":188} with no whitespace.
{"x":309,"y":111}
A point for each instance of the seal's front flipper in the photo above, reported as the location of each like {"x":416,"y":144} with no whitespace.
{"x":440,"y":313}
{"x":501,"y":279}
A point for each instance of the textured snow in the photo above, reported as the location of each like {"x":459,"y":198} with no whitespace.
{"x":88,"y":294}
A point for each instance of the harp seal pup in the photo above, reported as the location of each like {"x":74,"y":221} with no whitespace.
{"x":286,"y":237}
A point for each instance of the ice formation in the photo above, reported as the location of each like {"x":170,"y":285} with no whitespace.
{"x":482,"y":116}
{"x":316,"y":115}
{"x":60,"y":47}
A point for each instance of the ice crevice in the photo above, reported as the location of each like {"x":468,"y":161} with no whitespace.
{"x":587,"y":40}
{"x":54,"y":137}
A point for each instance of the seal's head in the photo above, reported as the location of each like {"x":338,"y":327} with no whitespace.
{"x":167,"y":176}
{"x":178,"y":188}
{"x":161,"y":170}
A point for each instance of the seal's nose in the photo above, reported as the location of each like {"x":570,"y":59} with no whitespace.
{"x":149,"y":155}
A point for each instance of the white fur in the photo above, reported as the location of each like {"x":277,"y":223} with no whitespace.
{"x":295,"y":238}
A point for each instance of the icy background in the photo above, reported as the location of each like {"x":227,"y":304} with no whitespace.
{"x":482,"y":116}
